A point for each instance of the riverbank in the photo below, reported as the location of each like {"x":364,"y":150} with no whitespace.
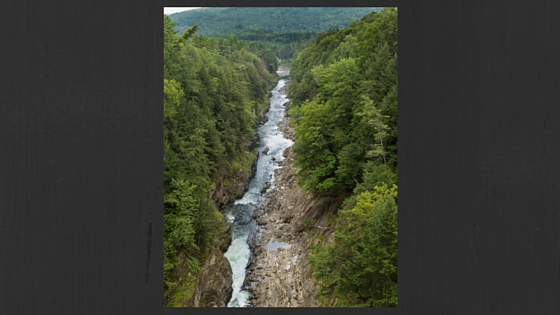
{"x":270,"y":146}
{"x":289,"y":222}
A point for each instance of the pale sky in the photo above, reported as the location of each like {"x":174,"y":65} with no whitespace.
{"x":170,"y":10}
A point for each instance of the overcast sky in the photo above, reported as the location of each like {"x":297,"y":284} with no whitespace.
{"x":170,"y":10}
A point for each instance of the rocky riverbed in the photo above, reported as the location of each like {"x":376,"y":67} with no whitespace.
{"x":289,"y":221}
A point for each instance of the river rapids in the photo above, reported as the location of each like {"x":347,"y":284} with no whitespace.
{"x":240,"y":213}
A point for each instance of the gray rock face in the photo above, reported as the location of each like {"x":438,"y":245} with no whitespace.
{"x":213,"y":285}
{"x":283,"y":126}
{"x":222,"y":195}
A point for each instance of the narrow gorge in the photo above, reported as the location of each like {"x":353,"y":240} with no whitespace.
{"x":255,"y":216}
{"x":271,"y":223}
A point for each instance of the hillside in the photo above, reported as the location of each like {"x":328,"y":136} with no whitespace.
{"x":220,"y":22}
{"x":344,"y":90}
{"x":281,"y":31}
{"x":215,"y":91}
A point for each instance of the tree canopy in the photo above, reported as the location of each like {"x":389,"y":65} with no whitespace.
{"x":222,"y":22}
{"x":214,"y":89}
{"x":344,"y":105}
{"x":283,"y":30}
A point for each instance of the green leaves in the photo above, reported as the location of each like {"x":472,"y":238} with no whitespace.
{"x":344,"y":89}
{"x":180,"y":207}
{"x":348,"y":49}
{"x":350,"y":76}
{"x":172,"y":93}
{"x":189,"y":32}
{"x":245,"y":22}
{"x":360,"y":268}
{"x":211,"y":88}
{"x":372,"y":116}
{"x":314,"y":133}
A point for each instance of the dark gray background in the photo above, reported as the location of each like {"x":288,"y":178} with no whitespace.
{"x":81,"y":157}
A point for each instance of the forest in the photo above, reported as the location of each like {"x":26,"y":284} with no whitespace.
{"x":343,"y":90}
{"x":221,"y":22}
{"x":214,"y":90}
{"x":282,"y":29}
{"x":344,"y":107}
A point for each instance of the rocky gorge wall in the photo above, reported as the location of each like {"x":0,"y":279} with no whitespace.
{"x":231,"y":187}
{"x":213,"y":284}
{"x":282,"y":277}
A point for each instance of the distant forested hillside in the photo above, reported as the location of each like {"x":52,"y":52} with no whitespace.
{"x":284,"y":30}
{"x":219,"y":22}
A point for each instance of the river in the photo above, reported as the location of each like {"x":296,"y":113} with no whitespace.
{"x":240,"y":213}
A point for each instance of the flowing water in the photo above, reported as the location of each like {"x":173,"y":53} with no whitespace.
{"x":240,"y":213}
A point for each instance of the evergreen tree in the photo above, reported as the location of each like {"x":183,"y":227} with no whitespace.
{"x":213,"y":90}
{"x":360,"y":268}
{"x":344,"y":91}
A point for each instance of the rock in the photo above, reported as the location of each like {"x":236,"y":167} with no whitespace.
{"x":214,"y":282}
{"x":266,"y":186}
{"x":222,"y":195}
{"x":282,"y":278}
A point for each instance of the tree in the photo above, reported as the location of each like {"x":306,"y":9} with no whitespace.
{"x":179,"y":215}
{"x":314,"y":145}
{"x":189,"y":32}
{"x":372,"y":116}
{"x":360,"y":268}
{"x":172,"y":93}
{"x":344,"y":90}
{"x":211,"y":87}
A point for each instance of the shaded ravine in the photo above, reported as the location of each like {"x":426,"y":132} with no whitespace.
{"x":271,"y":145}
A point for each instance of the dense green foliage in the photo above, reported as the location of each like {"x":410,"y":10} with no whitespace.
{"x":219,"y":22}
{"x":284,"y":30}
{"x":344,"y":104}
{"x":360,"y":268}
{"x":214,"y":89}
